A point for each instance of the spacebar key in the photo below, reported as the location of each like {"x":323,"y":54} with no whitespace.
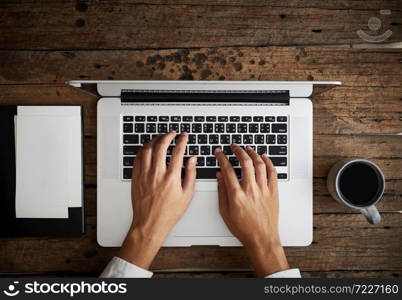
{"x":210,"y":173}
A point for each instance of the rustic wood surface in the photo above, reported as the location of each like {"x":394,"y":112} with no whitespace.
{"x":219,"y":40}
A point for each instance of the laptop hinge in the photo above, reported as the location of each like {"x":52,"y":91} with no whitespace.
{"x":232,"y":96}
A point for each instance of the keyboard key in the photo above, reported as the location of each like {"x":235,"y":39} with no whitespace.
{"x":169,"y":150}
{"x":211,"y":161}
{"x":127,"y":127}
{"x":140,"y":118}
{"x":139,"y":127}
{"x":127,"y":173}
{"x":271,"y":139}
{"x":211,"y":119}
{"x":219,"y":128}
{"x":152,"y":118}
{"x":196,"y":128}
{"x":200,"y":161}
{"x":269,"y":119}
{"x":205,"y":150}
{"x":236,"y":138}
{"x":225,"y":139}
{"x":264,"y":128}
{"x":258,"y":119}
{"x":234,"y":161}
{"x":193,"y":150}
{"x":234,"y":119}
{"x":128,"y":160}
{"x":227,"y":150}
{"x":187,"y":119}
{"x":278,"y":150}
{"x":163,"y":119}
{"x":208,"y":128}
{"x":130,"y":139}
{"x":151,"y":127}
{"x":282,"y":119}
{"x":253,"y":128}
{"x":210,"y":173}
{"x":247,"y":139}
{"x":131,"y":150}
{"x":128,"y":118}
{"x":262,"y":149}
{"x":241,"y":128}
{"x":246,"y":119}
{"x":162,"y":128}
{"x":202,"y":139}
{"x":282,"y":176}
{"x":214,"y":147}
{"x":279,"y":161}
{"x":282,"y":139}
{"x":223,"y":119}
{"x":185,"y":127}
{"x":279,"y":128}
{"x":199,"y":119}
{"x":174,"y":126}
{"x":175,"y":119}
{"x":230,"y":128}
{"x":145,"y":138}
{"x":259,"y":139}
{"x":214,"y":139}
{"x":192,"y":139}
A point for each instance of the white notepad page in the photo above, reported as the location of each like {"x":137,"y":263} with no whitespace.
{"x":48,"y":161}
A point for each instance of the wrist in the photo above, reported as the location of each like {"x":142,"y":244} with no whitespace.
{"x":140,"y":248}
{"x":267,"y":257}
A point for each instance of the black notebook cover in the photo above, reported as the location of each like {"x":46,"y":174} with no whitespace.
{"x":10,"y":226}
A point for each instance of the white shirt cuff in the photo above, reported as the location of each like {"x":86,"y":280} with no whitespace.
{"x":291,"y":273}
{"x":119,"y":268}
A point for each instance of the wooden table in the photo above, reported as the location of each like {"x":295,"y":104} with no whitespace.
{"x":43,"y":44}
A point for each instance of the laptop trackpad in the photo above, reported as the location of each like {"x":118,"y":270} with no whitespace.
{"x":202,"y":218}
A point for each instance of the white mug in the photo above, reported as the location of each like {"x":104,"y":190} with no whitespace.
{"x":346,"y":185}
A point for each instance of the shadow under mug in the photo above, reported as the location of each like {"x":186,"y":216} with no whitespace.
{"x":345,"y":183}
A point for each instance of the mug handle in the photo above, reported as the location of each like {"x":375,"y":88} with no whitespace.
{"x":372,"y":215}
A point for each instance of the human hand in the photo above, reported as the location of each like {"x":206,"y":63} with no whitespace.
{"x":250,"y":207}
{"x":159,"y":196}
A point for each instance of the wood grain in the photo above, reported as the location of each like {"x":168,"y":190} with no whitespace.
{"x":341,"y":242}
{"x":123,"y":24}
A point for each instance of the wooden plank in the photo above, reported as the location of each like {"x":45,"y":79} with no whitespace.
{"x":354,"y":67}
{"x":147,"y":24}
{"x":331,"y":109}
{"x":341,"y":242}
{"x":382,"y":150}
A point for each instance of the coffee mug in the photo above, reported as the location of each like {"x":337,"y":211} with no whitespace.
{"x":357,"y":183}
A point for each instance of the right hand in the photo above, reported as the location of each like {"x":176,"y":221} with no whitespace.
{"x":250,"y":207}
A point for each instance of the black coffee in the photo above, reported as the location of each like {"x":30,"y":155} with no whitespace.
{"x":360,"y":184}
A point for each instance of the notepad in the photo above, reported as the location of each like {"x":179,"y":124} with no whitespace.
{"x":48,"y":161}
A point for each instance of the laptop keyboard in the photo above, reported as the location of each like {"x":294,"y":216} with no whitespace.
{"x":265,"y":134}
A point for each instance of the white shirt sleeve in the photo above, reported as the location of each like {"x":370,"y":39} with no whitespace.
{"x":119,"y":268}
{"x":291,"y":273}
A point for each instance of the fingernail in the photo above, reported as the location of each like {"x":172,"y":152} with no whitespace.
{"x":217,"y":150}
{"x":218,"y":175}
{"x":193,"y":160}
{"x":248,"y":148}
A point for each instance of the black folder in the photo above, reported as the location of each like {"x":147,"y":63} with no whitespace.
{"x":10,"y":226}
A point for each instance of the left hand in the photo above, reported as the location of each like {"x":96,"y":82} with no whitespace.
{"x":159,"y":195}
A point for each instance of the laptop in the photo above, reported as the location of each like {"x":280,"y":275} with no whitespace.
{"x":272,"y":117}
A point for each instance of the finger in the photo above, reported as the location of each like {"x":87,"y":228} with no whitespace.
{"x":271,"y":173}
{"x":228,"y":174}
{"x":178,"y":153}
{"x":259,"y":166}
{"x":246,"y":164}
{"x":190,"y":175}
{"x":223,"y":199}
{"x":137,"y":165}
{"x":160,"y":149}
{"x":146,"y":157}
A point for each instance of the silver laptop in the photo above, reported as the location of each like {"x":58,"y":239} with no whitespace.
{"x":272,"y":117}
